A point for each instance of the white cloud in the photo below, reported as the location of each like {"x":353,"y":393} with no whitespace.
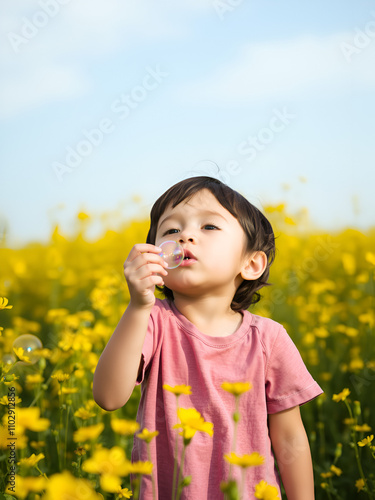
{"x":283,"y":70}
{"x":45,"y":66}
{"x":48,"y":83}
{"x":96,"y":27}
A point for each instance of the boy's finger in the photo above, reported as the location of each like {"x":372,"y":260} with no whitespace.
{"x":140,"y":248}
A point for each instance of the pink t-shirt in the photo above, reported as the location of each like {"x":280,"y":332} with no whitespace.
{"x":175,"y":352}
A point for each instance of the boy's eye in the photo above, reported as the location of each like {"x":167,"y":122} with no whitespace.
{"x":210,"y":227}
{"x":170,"y":231}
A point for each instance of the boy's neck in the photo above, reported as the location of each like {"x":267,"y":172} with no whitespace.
{"x":212,"y":316}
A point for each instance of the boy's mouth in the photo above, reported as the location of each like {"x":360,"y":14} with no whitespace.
{"x":189,"y":258}
{"x":188,"y":255}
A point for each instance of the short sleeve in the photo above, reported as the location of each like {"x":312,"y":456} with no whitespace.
{"x":149,"y":344}
{"x":288,"y":382}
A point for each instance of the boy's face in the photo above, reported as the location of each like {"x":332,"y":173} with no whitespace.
{"x":212,"y":238}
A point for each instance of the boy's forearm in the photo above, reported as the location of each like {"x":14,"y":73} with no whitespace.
{"x":292,"y":452}
{"x":295,"y":465}
{"x":117,"y":369}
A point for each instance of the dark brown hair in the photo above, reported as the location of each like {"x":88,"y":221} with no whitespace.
{"x":256,"y":226}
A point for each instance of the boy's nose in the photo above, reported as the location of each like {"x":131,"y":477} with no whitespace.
{"x":186,"y":236}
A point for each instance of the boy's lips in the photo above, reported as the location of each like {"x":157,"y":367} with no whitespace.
{"x":189,"y":258}
{"x":188,"y":254}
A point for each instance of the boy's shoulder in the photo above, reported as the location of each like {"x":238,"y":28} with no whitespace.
{"x":268,"y":330}
{"x":161,"y":309}
{"x":265,"y":324}
{"x":161,"y":305}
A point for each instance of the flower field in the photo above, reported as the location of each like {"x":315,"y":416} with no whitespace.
{"x":57,"y":443}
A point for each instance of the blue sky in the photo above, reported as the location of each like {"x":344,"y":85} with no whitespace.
{"x":100,"y":101}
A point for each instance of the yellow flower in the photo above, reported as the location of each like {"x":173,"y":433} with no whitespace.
{"x":236,"y":388}
{"x":75,"y":341}
{"x":19,"y":352}
{"x":4,"y":400}
{"x":275,"y":208}
{"x":90,"y":404}
{"x":34,"y":379}
{"x":264,"y":491}
{"x":88,"y":433}
{"x":321,"y":332}
{"x":362,"y":428}
{"x":289,"y":220}
{"x":68,"y":390}
{"x":367,"y":440}
{"x":141,"y":468}
{"x":336,"y":470}
{"x":349,"y":421}
{"x":124,"y":493}
{"x":56,"y":314}
{"x":146,"y":435}
{"x":178,"y":389}
{"x":368,"y":317}
{"x":325,"y":475}
{"x":29,"y":418}
{"x":82,"y":216}
{"x":349,"y":263}
{"x":110,"y":483}
{"x":360,"y":484}
{"x":87,"y":316}
{"x":370,"y":257}
{"x":31,"y":461}
{"x":341,"y":396}
{"x":112,"y":463}
{"x":356,"y":364}
{"x":84,"y":414}
{"x":245,"y":460}
{"x":60,"y":376}
{"x":124,"y":427}
{"x":3,"y":303}
{"x":25,"y":485}
{"x":326,"y":376}
{"x":80,"y":373}
{"x":191,"y":422}
{"x":64,"y":485}
{"x":37,"y":444}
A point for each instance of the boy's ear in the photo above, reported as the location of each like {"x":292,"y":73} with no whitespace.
{"x":254,"y":266}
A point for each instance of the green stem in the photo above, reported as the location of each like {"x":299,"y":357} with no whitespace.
{"x":61,"y":451}
{"x":57,"y":433}
{"x":329,"y":495}
{"x":135,"y":487}
{"x":242,"y":489}
{"x":79,"y":471}
{"x":357,"y":457}
{"x":175,"y":458}
{"x":66,"y":435}
{"x":40,"y":472}
{"x":41,"y":391}
{"x":236,"y":416}
{"x":152,"y":474}
{"x":179,"y":489}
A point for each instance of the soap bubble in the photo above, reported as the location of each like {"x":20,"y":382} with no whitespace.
{"x":172,"y":253}
{"x":8,"y":359}
{"x":30,"y":344}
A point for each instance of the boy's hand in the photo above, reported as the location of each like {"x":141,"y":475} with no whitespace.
{"x":141,"y":270}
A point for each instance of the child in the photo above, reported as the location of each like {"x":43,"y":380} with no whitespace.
{"x":202,"y":335}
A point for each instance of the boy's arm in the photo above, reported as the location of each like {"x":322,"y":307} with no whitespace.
{"x":116,"y":372}
{"x":292,"y":452}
